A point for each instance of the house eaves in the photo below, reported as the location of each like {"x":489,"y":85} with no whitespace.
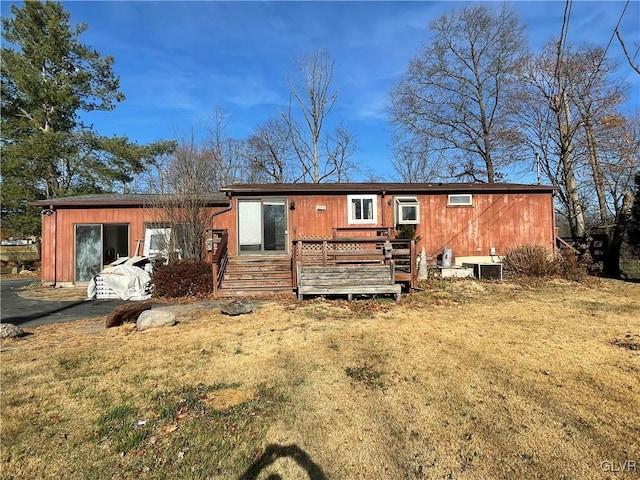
{"x":386,"y":188}
{"x":124,"y":200}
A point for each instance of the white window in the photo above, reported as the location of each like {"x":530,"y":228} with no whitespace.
{"x":407,"y":211}
{"x":156,"y":241}
{"x":363,"y":208}
{"x":460,"y":200}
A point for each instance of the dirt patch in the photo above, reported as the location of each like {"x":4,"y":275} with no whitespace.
{"x":227,"y":398}
{"x":630,"y":342}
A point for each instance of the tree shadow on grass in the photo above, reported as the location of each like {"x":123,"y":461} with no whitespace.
{"x":274,"y":452}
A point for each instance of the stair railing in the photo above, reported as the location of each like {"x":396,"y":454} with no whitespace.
{"x":220,"y":260}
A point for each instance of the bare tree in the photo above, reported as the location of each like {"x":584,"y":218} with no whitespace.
{"x":613,"y":157}
{"x":185,"y":182}
{"x":413,"y":160}
{"x":183,"y":188}
{"x":452,"y":98}
{"x":339,"y":147}
{"x":225,"y":152}
{"x":321,"y":156}
{"x":568,"y":108}
{"x":269,"y":154}
{"x":550,"y":125}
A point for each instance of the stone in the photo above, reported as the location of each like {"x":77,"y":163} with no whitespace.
{"x":127,"y":313}
{"x":237,"y":307}
{"x":155,"y":319}
{"x":9,"y":330}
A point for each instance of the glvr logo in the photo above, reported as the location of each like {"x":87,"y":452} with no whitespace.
{"x":619,"y":466}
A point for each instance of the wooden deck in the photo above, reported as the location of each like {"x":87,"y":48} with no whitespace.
{"x":336,"y":266}
{"x":347,"y":280}
{"x":357,"y":252}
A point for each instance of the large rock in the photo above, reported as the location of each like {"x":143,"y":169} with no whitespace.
{"x":127,"y":313}
{"x":9,"y":330}
{"x":155,"y":318}
{"x":237,"y":308}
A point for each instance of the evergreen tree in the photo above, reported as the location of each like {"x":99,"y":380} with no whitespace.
{"x":49,"y":78}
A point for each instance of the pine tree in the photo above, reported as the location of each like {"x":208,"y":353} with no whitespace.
{"x":49,"y":78}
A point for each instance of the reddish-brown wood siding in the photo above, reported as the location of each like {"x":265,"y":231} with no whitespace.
{"x":498,"y":220}
{"x":58,"y":234}
{"x":495,"y":220}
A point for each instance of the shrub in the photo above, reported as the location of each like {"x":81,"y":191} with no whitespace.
{"x":530,"y":260}
{"x":570,"y":267}
{"x":184,"y":278}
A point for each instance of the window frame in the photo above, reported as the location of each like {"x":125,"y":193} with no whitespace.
{"x":364,"y":221}
{"x":466,"y":204}
{"x":407,"y":202}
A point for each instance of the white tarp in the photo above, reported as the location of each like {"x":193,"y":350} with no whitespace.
{"x":126,"y":280}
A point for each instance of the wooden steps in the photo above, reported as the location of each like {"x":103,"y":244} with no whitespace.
{"x":257,"y":275}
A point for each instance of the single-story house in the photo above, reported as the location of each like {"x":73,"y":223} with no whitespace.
{"x":278,"y":222}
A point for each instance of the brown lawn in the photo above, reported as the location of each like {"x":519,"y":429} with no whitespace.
{"x":464,"y":380}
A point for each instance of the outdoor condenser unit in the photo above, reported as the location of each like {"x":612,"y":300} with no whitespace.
{"x":486,"y":271}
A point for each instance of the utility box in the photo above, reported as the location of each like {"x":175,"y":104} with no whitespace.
{"x":485,"y":271}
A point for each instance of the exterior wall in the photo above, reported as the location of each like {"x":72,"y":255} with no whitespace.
{"x":58,"y":235}
{"x":498,"y":220}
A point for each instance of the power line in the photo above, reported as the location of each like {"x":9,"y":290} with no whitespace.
{"x":565,"y":23}
{"x":614,"y":32}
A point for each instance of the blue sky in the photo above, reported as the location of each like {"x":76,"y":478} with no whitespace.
{"x":177,"y":61}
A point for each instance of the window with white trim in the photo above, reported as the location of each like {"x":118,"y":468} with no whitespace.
{"x":362,"y":208}
{"x":407,"y":211}
{"x":460,"y":200}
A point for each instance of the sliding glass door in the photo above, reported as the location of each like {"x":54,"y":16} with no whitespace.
{"x":262,"y":226}
{"x":97,"y":245}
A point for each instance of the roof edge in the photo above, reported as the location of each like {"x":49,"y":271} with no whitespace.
{"x":124,"y":200}
{"x":390,"y":188}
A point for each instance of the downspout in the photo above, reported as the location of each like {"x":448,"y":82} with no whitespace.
{"x":384,"y":210}
{"x":554,"y":236}
{"x":55,"y":246}
{"x":226,"y":209}
{"x":215,"y":214}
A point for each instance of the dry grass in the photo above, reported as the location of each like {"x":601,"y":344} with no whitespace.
{"x":464,"y":380}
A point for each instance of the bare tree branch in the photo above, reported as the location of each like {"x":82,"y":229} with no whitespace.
{"x":627,"y":54}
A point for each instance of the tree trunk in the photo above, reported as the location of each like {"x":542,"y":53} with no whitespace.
{"x":598,"y":177}
{"x":615,"y":238}
{"x":576,"y":216}
{"x":611,"y":260}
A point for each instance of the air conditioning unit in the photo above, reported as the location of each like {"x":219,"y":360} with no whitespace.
{"x":486,"y":271}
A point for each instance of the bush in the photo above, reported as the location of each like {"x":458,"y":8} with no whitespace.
{"x":530,"y":260}
{"x":570,"y":267}
{"x":184,"y":278}
{"x":533,"y":260}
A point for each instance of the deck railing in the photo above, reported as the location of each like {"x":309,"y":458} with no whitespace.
{"x":357,"y":251}
{"x":220,"y":258}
